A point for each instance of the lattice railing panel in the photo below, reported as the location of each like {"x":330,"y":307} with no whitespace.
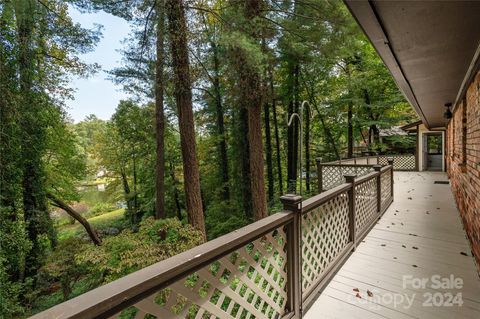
{"x":248,"y":283}
{"x":325,"y":233}
{"x":333,"y":176}
{"x":386,"y":187}
{"x":400,"y":162}
{"x":365,"y":204}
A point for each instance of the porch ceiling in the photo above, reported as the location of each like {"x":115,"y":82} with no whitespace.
{"x":430,"y":47}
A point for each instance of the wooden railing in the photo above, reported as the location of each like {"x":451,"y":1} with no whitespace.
{"x":273,"y":268}
{"x":402,"y":162}
{"x":331,"y":174}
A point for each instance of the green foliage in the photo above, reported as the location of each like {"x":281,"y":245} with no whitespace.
{"x":10,"y":292}
{"x":14,"y":247}
{"x":222,"y":219}
{"x":100,"y":209}
{"x":108,"y":224}
{"x":61,"y":266}
{"x":401,"y":144}
{"x":129,"y":251}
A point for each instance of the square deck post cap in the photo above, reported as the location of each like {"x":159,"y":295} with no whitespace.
{"x":349,"y":178}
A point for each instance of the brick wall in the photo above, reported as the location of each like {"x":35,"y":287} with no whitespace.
{"x":463,"y":162}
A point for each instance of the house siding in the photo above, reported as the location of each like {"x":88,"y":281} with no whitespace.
{"x":463,"y":162}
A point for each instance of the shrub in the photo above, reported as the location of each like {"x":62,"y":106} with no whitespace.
{"x":62,"y":266}
{"x":127,"y":252}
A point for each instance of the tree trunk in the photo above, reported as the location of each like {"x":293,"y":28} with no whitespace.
{"x":92,"y":233}
{"x":135,"y":218}
{"x":257,"y":179}
{"x":277,"y":147}
{"x":36,"y":215}
{"x":245,"y":171}
{"x":373,"y":131}
{"x":176,"y":196}
{"x":159,"y":116}
{"x":326,"y":130}
{"x":268,"y":153}
{"x":183,"y":95}
{"x":277,"y":135}
{"x":307,"y":149}
{"x":350,"y":130}
{"x":252,"y":96}
{"x":291,"y":172}
{"x":296,"y":126}
{"x":128,"y":197}
{"x":222,"y":142}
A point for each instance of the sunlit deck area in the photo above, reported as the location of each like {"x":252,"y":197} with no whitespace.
{"x":420,"y":235}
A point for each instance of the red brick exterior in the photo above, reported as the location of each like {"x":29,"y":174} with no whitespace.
{"x":463,"y":162}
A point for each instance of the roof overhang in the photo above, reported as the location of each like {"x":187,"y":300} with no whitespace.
{"x":432,"y":48}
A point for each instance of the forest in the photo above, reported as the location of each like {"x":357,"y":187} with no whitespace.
{"x":200,"y":148}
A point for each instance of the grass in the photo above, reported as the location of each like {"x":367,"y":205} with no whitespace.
{"x":111,"y":219}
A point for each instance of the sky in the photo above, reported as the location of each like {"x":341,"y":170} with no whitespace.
{"x":96,"y":94}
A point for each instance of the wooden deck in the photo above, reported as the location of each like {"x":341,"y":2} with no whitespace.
{"x":420,"y":235}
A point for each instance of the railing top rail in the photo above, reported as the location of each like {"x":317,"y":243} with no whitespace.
{"x":351,"y":159}
{"x":365,"y":157}
{"x":386,"y":168}
{"x":346,"y":164}
{"x":111,"y":298}
{"x":364,"y":178}
{"x":317,"y":200}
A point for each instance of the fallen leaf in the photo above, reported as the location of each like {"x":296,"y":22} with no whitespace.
{"x":410,"y":198}
{"x":358,"y":295}
{"x":414,"y":266}
{"x":463,"y":253}
{"x":415,"y":247}
{"x":356,"y":290}
{"x":383,"y":245}
{"x":404,"y":246}
{"x":369,"y":293}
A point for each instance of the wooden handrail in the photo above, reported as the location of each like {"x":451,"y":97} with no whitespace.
{"x":317,"y":200}
{"x":346,"y":164}
{"x":113,"y":297}
{"x":365,"y":178}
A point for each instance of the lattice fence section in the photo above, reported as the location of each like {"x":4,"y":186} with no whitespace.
{"x":333,"y":176}
{"x":386,"y":187}
{"x":248,"y":283}
{"x":400,"y":162}
{"x":325,"y":233}
{"x":365,"y":204}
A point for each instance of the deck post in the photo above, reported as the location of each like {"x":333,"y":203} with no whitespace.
{"x":390,"y":162}
{"x":350,"y":178}
{"x":377,"y":168}
{"x":378,"y":158}
{"x":292,"y":203}
{"x":319,"y":175}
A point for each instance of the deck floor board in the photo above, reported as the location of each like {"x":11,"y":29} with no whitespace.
{"x":421,"y":235}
